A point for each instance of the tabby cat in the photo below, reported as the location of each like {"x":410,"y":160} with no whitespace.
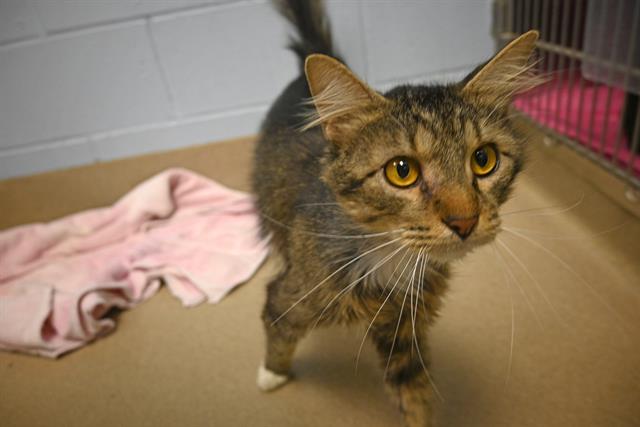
{"x":368,"y":197}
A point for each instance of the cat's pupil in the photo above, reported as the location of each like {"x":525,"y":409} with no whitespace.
{"x":481,"y":157}
{"x":402,"y":167}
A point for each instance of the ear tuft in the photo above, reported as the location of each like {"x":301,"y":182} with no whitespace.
{"x":509,"y":72}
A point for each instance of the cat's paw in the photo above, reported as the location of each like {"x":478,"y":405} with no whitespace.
{"x":268,"y":380}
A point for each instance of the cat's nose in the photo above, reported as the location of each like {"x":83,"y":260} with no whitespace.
{"x":461,"y":226}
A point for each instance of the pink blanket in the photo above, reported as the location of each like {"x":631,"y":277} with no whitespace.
{"x":58,"y":280}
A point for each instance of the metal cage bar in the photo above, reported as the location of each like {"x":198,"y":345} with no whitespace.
{"x":589,"y":49}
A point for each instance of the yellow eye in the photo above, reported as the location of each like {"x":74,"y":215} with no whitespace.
{"x":484,"y":160}
{"x":402,"y":171}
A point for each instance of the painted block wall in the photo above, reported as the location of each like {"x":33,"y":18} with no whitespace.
{"x":84,"y":81}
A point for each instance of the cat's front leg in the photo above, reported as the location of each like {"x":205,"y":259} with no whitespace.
{"x":283,"y":331}
{"x":406,"y":363}
{"x":274,"y":371}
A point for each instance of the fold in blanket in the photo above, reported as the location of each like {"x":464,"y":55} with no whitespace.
{"x":58,"y":280}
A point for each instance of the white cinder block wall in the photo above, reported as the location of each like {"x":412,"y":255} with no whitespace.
{"x":84,"y":81}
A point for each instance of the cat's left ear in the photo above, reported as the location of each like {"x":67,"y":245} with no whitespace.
{"x":343,"y":102}
{"x":506,"y":74}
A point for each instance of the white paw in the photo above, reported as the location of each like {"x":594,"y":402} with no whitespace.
{"x":268,"y":380}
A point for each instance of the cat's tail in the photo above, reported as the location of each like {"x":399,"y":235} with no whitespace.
{"x":310,"y":22}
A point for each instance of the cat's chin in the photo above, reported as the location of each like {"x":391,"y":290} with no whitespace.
{"x":445,"y":256}
{"x":453,"y":251}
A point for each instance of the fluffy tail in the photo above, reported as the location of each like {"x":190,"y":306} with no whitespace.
{"x":309,"y":19}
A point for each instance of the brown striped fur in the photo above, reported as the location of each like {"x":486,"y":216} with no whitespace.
{"x":355,"y":248}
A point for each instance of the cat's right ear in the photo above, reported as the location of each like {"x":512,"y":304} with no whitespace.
{"x":343,"y":102}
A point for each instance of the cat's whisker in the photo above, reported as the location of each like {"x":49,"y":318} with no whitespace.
{"x":424,"y":269}
{"x":415,"y":292}
{"x":507,"y":268}
{"x":328,"y":235}
{"x":360,"y":279}
{"x":413,"y":275}
{"x":375,"y":316}
{"x":562,"y":262}
{"x":333,"y":274}
{"x":563,"y":209}
{"x":555,"y":236}
{"x":395,"y":269}
{"x":535,"y":281}
{"x":426,"y":371}
{"x":421,"y":257}
{"x":395,"y":335}
{"x":318,"y":204}
{"x":339,"y":261}
{"x":420,"y":286}
{"x":513,"y":322}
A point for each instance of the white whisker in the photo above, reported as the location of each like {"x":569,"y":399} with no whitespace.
{"x":435,"y":388}
{"x":318,"y":204}
{"x":329,"y":235}
{"x":575,"y":273}
{"x":550,"y":236}
{"x":333,"y":274}
{"x":535,"y":281}
{"x":353,"y":284}
{"x":395,"y":269}
{"x":562,"y":209}
{"x":413,"y":275}
{"x":415,"y":338}
{"x":517,"y":282}
{"x":426,"y":371}
{"x":424,"y":269}
{"x":382,"y":305}
{"x":513,"y":322}
{"x":395,"y":335}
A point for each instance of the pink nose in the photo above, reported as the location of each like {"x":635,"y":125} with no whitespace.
{"x":461,"y":226}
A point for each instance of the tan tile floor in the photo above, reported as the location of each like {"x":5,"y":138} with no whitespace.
{"x":576,"y":343}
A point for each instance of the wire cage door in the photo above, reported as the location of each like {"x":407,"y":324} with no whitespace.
{"x":589,"y":52}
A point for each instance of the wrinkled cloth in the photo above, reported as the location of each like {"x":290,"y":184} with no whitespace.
{"x":59,"y":280}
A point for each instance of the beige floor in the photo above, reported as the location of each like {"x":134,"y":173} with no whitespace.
{"x":576,"y":342}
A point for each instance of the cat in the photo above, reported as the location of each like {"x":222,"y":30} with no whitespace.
{"x":368,"y":197}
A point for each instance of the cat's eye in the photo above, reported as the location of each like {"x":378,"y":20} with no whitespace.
{"x":402,"y":171}
{"x":484,"y":160}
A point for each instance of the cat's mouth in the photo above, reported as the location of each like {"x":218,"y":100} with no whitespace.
{"x":446,"y":248}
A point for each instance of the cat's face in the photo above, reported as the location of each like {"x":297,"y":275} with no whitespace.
{"x":431,"y":164}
